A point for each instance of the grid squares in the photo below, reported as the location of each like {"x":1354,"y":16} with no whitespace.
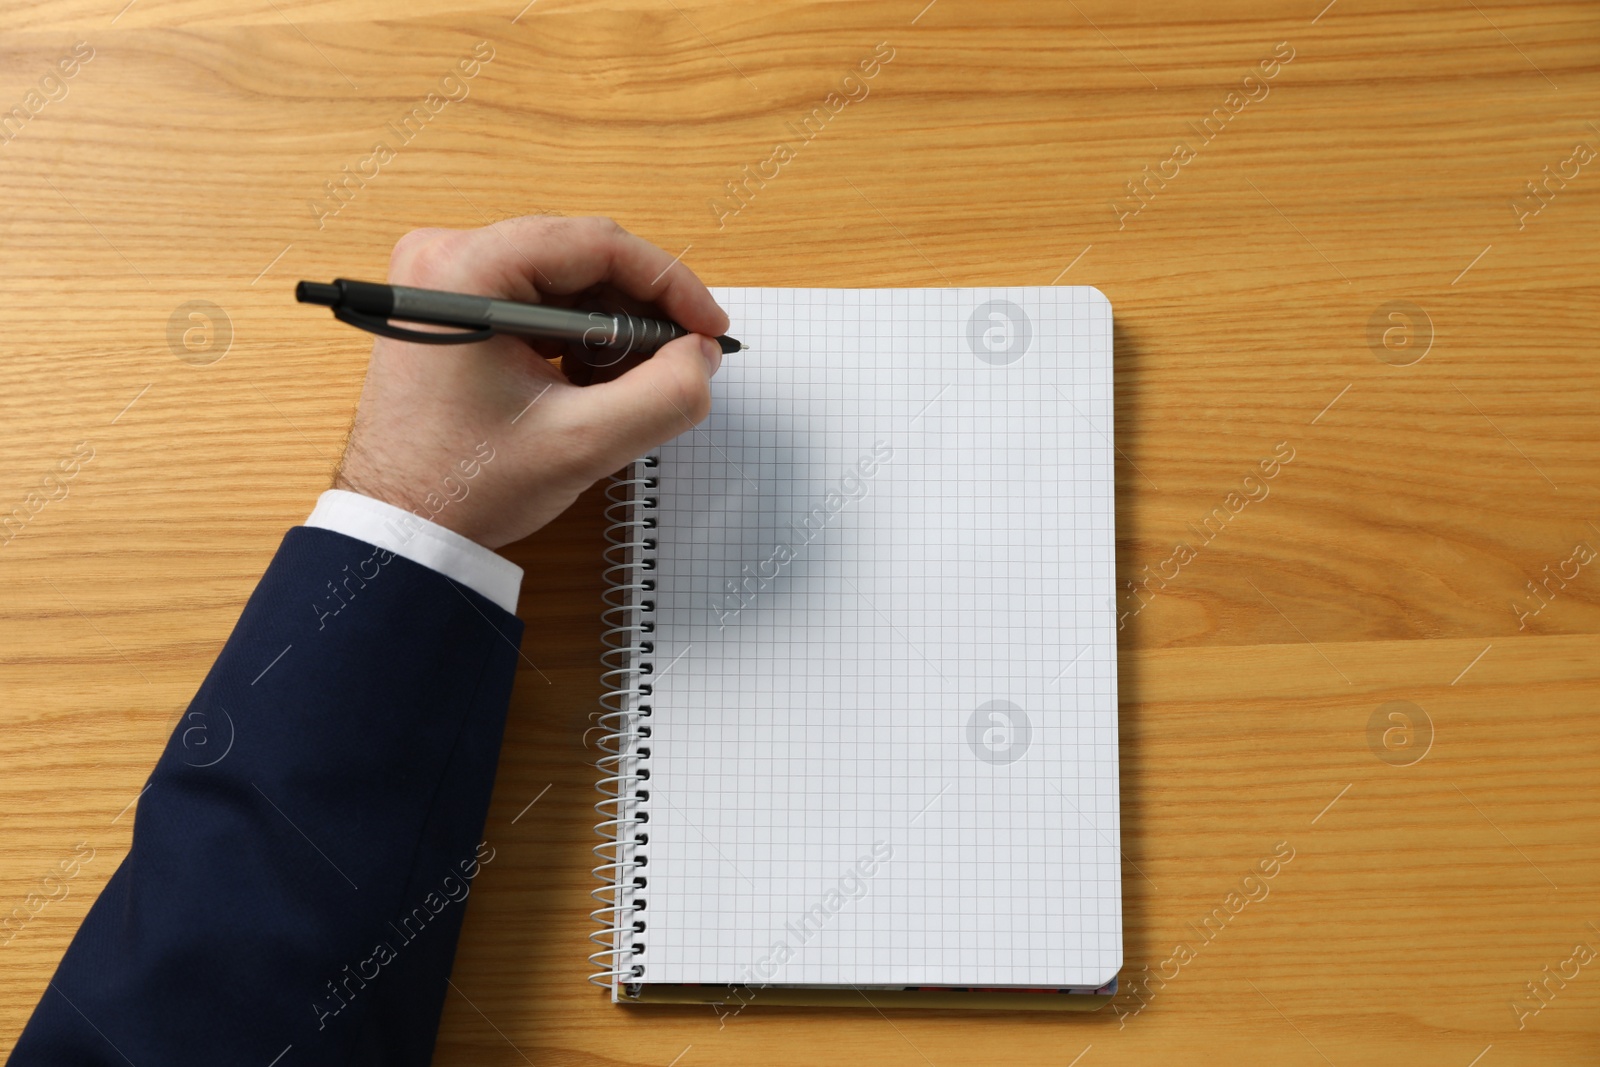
{"x":873,"y":534}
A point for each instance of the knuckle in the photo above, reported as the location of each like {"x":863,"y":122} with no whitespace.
{"x":411,"y":240}
{"x":426,"y":258}
{"x":519,"y":223}
{"x":604,"y":225}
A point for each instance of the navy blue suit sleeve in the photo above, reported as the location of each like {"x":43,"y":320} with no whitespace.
{"x":304,"y":850}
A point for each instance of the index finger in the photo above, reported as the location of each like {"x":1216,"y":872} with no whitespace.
{"x":571,"y":255}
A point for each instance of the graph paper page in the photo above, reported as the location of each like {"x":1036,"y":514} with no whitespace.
{"x":884,"y":732}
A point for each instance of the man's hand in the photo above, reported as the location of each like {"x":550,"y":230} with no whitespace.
{"x":429,"y":415}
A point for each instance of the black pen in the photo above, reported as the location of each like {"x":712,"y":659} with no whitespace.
{"x":370,"y":306}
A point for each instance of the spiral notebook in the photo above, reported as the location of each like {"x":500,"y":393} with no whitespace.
{"x":861,"y":665}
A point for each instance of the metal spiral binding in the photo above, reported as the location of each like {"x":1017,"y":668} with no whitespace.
{"x":624,"y":768}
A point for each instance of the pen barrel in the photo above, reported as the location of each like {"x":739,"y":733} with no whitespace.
{"x":635,"y":334}
{"x":604,"y":331}
{"x":600,"y":331}
{"x":432,"y":306}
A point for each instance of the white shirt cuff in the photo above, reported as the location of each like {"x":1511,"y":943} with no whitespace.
{"x":421,"y":541}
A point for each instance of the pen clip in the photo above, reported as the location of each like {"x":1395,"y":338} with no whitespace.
{"x":381,"y":327}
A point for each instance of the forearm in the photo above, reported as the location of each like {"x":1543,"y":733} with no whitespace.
{"x":299,"y":877}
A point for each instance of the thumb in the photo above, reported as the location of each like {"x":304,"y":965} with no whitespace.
{"x":666,"y":395}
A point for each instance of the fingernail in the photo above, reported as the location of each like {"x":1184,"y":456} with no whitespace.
{"x":713,"y":353}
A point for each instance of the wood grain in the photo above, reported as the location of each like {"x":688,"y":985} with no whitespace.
{"x":1382,"y":564}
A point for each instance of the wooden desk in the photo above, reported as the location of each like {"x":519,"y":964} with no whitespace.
{"x":1379,"y":164}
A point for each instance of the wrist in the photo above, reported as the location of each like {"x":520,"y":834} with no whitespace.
{"x":436,"y":504}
